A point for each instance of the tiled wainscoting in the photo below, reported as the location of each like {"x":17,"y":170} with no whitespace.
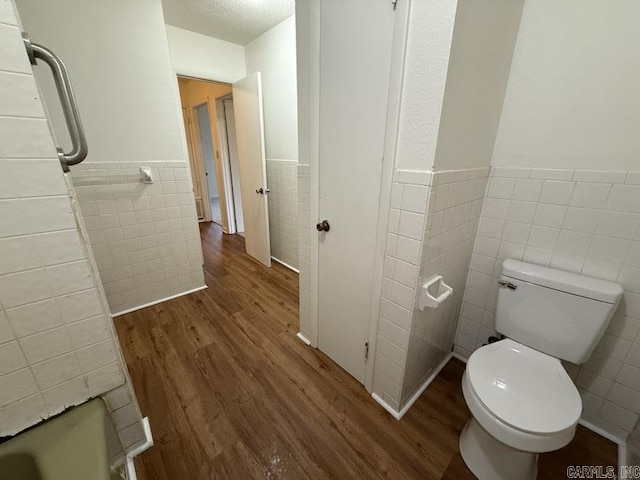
{"x":126,"y":418}
{"x":305,"y":222}
{"x":282,"y":179}
{"x":57,"y":348}
{"x":409,"y":196}
{"x":455,"y":203}
{"x":581,"y":221}
{"x":144,"y":236}
{"x":57,"y":344}
{"x":411,"y":343}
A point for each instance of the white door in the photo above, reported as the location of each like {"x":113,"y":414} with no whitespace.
{"x":247,"y":106}
{"x":355,"y":60}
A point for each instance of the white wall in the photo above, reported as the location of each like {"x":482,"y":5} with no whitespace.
{"x":274,"y":55}
{"x":58,"y":347}
{"x":125,"y":87}
{"x":572,"y":100}
{"x":196,"y":55}
{"x":129,"y":103}
{"x":425,"y":75}
{"x":484,"y":38}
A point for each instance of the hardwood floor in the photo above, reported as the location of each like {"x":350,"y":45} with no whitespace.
{"x":231,"y":393}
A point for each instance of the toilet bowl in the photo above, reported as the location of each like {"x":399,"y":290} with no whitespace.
{"x":523,"y":402}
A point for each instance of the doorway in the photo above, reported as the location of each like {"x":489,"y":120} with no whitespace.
{"x":224,"y":127}
{"x":203,"y":142}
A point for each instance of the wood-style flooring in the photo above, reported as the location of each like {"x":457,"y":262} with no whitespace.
{"x":231,"y":393}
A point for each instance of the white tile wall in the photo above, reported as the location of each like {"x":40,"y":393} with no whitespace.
{"x":52,"y":313}
{"x":305,"y":222}
{"x":408,"y":208}
{"x":455,"y":203}
{"x":431,"y":231}
{"x":125,"y":415}
{"x":582,"y":221}
{"x":282,"y":178}
{"x":145,"y":237}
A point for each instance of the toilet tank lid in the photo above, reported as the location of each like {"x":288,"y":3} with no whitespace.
{"x":589,"y":287}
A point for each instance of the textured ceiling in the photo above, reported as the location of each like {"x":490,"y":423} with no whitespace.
{"x":236,"y":21}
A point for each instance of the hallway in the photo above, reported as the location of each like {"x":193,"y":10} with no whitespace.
{"x":231,"y":393}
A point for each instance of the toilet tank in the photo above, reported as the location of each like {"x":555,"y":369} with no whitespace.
{"x":559,"y":313}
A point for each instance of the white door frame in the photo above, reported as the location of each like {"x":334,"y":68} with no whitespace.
{"x":226,"y":162}
{"x":196,"y":162}
{"x":309,"y":37}
{"x":234,"y":178}
{"x":200,"y":165}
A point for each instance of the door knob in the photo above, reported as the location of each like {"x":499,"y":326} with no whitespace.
{"x":323,"y":226}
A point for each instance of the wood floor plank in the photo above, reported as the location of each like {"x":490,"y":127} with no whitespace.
{"x":231,"y":393}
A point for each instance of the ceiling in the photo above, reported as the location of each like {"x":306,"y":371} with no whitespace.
{"x":235,"y":21}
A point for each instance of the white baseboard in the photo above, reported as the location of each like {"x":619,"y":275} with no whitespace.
{"x":459,"y":357}
{"x":601,"y":432}
{"x":394,"y":413}
{"x":286,"y":265}
{"x":303,"y":338}
{"x":399,"y":414}
{"x":622,"y":445}
{"x":155,"y":302}
{"x":622,"y":455}
{"x":130,"y":465}
{"x":424,"y":385}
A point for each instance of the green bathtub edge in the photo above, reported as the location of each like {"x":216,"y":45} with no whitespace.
{"x":72,"y":446}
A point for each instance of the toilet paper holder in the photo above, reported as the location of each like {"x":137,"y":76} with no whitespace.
{"x":433,"y":292}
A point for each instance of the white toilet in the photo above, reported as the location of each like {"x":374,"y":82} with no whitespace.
{"x":521,"y":398}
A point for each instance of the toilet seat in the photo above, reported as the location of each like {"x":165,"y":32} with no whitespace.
{"x":523,"y":397}
{"x":524,"y":388}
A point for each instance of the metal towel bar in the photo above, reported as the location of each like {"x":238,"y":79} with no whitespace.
{"x":96,"y":177}
{"x":79,"y":147}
